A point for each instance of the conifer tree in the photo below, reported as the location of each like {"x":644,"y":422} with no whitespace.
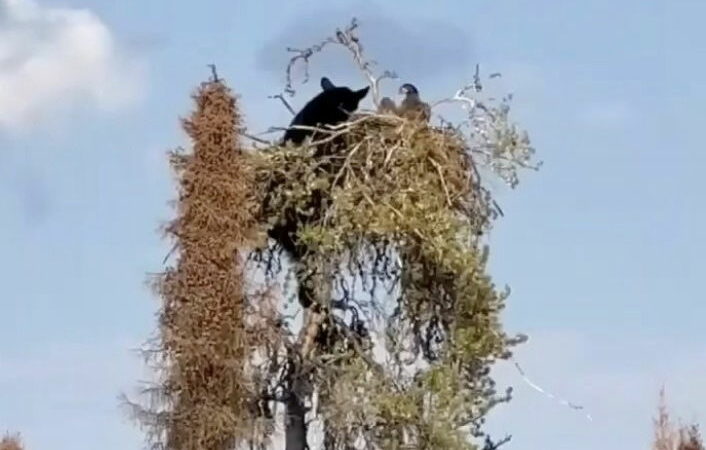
{"x":11,"y":442}
{"x":205,"y":337}
{"x":669,"y":437}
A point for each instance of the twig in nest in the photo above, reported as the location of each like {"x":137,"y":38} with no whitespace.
{"x":332,"y":131}
{"x":390,"y":153}
{"x":443,"y":181}
{"x":346,"y":163}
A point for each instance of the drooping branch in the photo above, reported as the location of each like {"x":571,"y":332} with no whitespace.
{"x":490,"y":445}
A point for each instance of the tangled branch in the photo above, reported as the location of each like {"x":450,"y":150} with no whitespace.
{"x":347,"y":38}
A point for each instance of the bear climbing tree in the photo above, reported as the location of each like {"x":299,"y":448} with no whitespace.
{"x":394,"y":345}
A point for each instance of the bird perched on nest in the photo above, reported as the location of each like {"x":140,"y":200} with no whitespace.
{"x":412,"y":107}
{"x":387,"y":106}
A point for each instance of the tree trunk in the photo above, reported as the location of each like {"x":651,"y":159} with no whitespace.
{"x":300,"y":389}
{"x":295,"y":416}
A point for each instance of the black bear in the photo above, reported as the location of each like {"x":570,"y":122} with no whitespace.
{"x":331,"y":106}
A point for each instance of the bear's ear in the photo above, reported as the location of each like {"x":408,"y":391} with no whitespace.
{"x":326,"y":84}
{"x":360,"y":94}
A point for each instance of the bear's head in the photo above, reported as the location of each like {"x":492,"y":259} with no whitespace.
{"x":341,"y":99}
{"x":333,"y":105}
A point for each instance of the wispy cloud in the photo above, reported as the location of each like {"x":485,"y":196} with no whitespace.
{"x":53,"y":58}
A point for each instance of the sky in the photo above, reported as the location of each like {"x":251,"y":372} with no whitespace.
{"x":601,"y":247}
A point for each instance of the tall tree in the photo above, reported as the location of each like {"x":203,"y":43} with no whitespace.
{"x":11,"y":442}
{"x":207,"y":333}
{"x":668,"y":437}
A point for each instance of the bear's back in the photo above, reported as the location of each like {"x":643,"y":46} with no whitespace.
{"x":324,"y":109}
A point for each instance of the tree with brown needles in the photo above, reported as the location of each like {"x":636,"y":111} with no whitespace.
{"x":395,"y":349}
{"x":11,"y":442}
{"x":669,"y":437}
{"x":208,"y":330}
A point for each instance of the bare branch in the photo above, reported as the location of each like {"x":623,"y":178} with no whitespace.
{"x":547,"y":394}
{"x":214,"y":74}
{"x":257,"y":139}
{"x":174,"y":247}
{"x":303,"y":55}
{"x":463,"y":94}
{"x":348,"y":39}
{"x":492,"y":138}
{"x":285,"y":102}
{"x":490,"y":445}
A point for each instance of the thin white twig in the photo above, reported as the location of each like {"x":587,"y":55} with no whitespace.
{"x":348,"y":39}
{"x":548,"y":394}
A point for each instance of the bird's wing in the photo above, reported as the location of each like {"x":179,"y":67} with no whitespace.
{"x":426,"y":111}
{"x":413,"y":108}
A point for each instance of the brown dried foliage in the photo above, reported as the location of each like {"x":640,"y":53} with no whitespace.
{"x":206,"y":337}
{"x":668,"y":437}
{"x":11,"y":442}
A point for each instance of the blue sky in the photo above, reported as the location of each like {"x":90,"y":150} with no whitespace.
{"x":601,"y":247}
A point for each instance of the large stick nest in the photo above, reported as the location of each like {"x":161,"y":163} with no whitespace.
{"x":387,"y":179}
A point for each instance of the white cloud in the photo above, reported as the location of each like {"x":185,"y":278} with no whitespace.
{"x":54,"y":58}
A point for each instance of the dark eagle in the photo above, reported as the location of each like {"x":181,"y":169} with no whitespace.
{"x":412,"y":107}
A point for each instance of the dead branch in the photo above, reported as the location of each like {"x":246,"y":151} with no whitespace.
{"x":347,"y":38}
{"x":303,"y":55}
{"x":285,"y":102}
{"x":350,"y":41}
{"x":214,"y":74}
{"x":257,"y":139}
{"x":548,"y":394}
{"x":173,"y":249}
{"x":462,"y":95}
{"x":490,"y":445}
